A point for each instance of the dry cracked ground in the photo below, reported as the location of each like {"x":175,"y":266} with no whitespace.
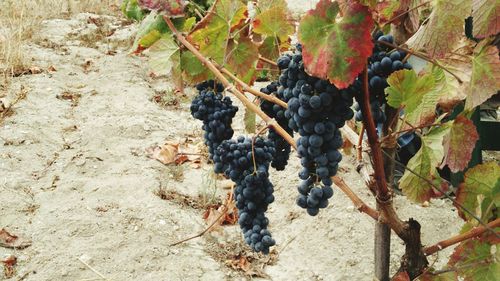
{"x":75,"y":179}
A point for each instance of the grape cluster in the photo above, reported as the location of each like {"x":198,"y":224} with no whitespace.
{"x":248,"y":168}
{"x":382,"y":63}
{"x":215,"y":111}
{"x":277,"y":112}
{"x":316,"y":110}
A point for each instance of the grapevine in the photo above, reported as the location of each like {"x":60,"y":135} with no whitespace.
{"x":349,"y":61}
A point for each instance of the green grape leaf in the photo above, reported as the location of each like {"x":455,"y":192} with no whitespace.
{"x":477,"y":260}
{"x":417,"y":94}
{"x":271,"y":48}
{"x":149,"y":31}
{"x":443,"y":29}
{"x":486,"y":18}
{"x":171,"y":8}
{"x":459,"y":144}
{"x":164,"y":55}
{"x":249,"y":120}
{"x":424,"y":163}
{"x":336,"y":49}
{"x":480,"y":182}
{"x":407,"y":89}
{"x":388,"y":9}
{"x":485,"y":79}
{"x":447,"y":276}
{"x":242,"y":56}
{"x":192,"y":69}
{"x":213,"y":32}
{"x":131,"y":9}
{"x":273,"y":22}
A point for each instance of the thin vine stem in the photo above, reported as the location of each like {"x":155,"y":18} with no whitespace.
{"x":459,"y":238}
{"x":422,"y":56}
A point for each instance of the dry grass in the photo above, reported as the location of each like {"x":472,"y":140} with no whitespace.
{"x":20,"y":20}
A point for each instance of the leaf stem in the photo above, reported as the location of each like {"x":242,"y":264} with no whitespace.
{"x":406,"y":12}
{"x":459,"y":238}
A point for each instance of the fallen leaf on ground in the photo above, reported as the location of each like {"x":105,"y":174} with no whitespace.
{"x":166,"y":153}
{"x":8,"y":240}
{"x":170,"y":153}
{"x":8,"y":266}
{"x":227,"y":213}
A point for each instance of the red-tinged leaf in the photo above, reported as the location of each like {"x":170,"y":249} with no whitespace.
{"x":424,"y":163}
{"x":242,"y":56}
{"x":476,"y":260}
{"x":481,"y":182}
{"x":389,"y":9}
{"x":443,"y":29}
{"x":336,"y":49}
{"x":486,"y":18}
{"x":172,"y":8}
{"x":485,"y":79}
{"x":459,"y":143}
{"x":272,"y":20}
{"x":401,"y":276}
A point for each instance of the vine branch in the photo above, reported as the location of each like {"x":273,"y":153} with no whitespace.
{"x":229,"y":86}
{"x":360,"y":205}
{"x":459,"y":238}
{"x":249,"y":89}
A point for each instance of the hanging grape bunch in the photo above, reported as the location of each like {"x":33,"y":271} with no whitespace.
{"x":316,"y":110}
{"x":216,"y":112}
{"x":248,"y":167}
{"x":382,"y":63}
{"x":277,"y":112}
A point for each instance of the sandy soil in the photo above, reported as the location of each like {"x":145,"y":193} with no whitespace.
{"x":75,"y":179}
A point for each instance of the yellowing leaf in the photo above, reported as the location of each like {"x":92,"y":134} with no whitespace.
{"x":336,"y":48}
{"x":424,"y":163}
{"x":416,"y":94}
{"x":443,"y":29}
{"x":459,"y":144}
{"x":213,"y":32}
{"x":164,"y":55}
{"x":273,"y":22}
{"x":484,"y":180}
